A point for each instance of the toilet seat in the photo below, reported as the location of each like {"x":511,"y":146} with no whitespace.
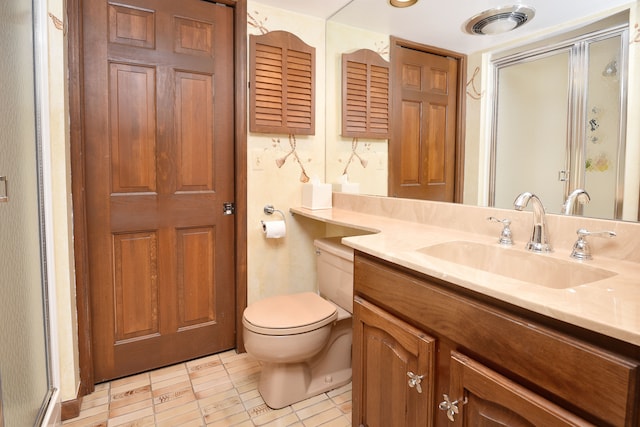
{"x":289,"y":314}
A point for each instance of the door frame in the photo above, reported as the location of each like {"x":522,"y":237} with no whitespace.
{"x":77,"y":148}
{"x":460,"y":108}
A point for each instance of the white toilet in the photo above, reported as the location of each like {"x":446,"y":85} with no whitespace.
{"x":303,"y":341}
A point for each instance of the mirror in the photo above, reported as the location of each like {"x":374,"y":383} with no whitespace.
{"x":567,"y":135}
{"x":365,"y":161}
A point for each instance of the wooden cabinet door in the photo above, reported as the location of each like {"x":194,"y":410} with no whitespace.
{"x":386,"y":351}
{"x":486,"y":398}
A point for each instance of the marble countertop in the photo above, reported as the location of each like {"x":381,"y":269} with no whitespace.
{"x":610,"y":306}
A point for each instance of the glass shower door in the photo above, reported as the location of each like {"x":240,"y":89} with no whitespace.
{"x":531,"y":130}
{"x":559,"y":124}
{"x":604,"y":143}
{"x":24,"y":373}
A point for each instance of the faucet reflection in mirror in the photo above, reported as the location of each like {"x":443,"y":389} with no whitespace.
{"x":539,"y":241}
{"x":577,"y":196}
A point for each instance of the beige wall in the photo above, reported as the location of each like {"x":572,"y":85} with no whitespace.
{"x":62,"y":208}
{"x":277,"y":266}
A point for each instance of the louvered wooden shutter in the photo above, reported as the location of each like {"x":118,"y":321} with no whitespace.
{"x":365,"y":95}
{"x":282,"y":92}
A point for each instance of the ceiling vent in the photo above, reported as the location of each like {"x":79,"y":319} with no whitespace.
{"x":499,"y":20}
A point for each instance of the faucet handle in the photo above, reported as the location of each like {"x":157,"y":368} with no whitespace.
{"x":581,"y":249}
{"x":506,"y":235}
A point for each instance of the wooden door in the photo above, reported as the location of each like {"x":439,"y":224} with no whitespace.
{"x":158,"y":90}
{"x":385,"y":351}
{"x":489,"y":399}
{"x":422,"y":148}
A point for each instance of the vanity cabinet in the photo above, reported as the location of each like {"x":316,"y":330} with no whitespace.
{"x":493,"y":363}
{"x":393,"y":368}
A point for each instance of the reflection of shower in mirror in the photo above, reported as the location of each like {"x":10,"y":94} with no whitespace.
{"x":611,"y":69}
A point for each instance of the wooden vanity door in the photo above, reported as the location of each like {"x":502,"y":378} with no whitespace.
{"x":385,"y":350}
{"x":489,"y":399}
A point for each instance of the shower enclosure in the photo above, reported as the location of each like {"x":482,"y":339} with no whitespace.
{"x":559,"y":123}
{"x":27,"y":389}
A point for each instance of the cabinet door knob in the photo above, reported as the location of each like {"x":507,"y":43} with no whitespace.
{"x":415,"y":380}
{"x":450,"y":407}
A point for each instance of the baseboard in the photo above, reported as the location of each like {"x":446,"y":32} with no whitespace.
{"x":71,"y":408}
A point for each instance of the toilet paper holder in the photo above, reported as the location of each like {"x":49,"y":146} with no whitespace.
{"x":269,"y":210}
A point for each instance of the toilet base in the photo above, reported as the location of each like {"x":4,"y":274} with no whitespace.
{"x":277,"y":395}
{"x":282,"y":384}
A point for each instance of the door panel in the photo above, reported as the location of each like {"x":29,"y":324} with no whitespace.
{"x":136,"y":307}
{"x":159,"y":143}
{"x":196,"y":279}
{"x":196,"y":163}
{"x":436,"y":145}
{"x":422,"y":149}
{"x":409,"y":167}
{"x":132,"y":128}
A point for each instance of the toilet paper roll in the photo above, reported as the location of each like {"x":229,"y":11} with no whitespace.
{"x":274,"y":229}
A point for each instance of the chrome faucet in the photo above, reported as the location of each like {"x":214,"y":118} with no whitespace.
{"x":539,"y":241}
{"x":577,"y":196}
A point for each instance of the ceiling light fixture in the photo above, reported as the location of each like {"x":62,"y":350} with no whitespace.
{"x":402,"y":3}
{"x":499,"y":20}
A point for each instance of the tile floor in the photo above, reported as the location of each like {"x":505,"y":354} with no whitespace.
{"x":219,"y":390}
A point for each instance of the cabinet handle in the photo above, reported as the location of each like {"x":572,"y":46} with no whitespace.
{"x":450,"y":407}
{"x":415,"y":380}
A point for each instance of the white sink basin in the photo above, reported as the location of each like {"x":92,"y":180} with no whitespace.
{"x":538,"y":269}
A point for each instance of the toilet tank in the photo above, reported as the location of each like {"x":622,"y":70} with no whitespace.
{"x":335,"y":271}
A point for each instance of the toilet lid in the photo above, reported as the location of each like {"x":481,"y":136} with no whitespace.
{"x":289,"y":314}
